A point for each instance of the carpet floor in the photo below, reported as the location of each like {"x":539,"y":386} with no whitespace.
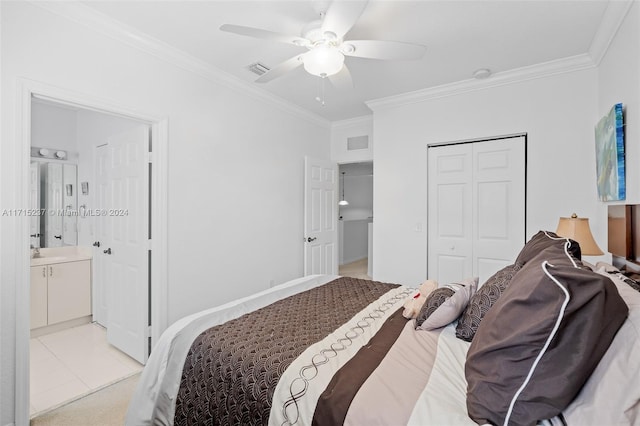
{"x":106,"y":407}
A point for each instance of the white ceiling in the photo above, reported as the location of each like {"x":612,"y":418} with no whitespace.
{"x":460,"y":36}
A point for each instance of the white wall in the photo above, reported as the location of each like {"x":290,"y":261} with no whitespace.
{"x":354,"y":240}
{"x":53,"y":127}
{"x":341,"y":131}
{"x":356,"y":216}
{"x":235,"y":165}
{"x":557,"y":113}
{"x":619,"y":81}
{"x":93,"y":129}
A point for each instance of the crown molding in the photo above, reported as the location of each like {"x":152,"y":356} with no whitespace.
{"x":614,"y":15}
{"x":116,"y":30}
{"x":355,"y":121}
{"x":533,"y":72}
{"x":611,"y":21}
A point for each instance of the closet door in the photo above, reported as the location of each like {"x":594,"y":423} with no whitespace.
{"x":450,"y":199}
{"x":499,"y":204}
{"x":476,"y":208}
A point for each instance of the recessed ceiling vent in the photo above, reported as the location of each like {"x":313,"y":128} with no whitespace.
{"x":258,"y":68}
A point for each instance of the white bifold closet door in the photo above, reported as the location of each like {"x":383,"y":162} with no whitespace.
{"x":476,"y":207}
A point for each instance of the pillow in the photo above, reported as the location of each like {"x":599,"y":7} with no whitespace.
{"x":436,"y":298}
{"x":449,"y":308}
{"x":543,"y":240}
{"x":612,"y":395}
{"x":540,"y":342}
{"x":483,"y":300}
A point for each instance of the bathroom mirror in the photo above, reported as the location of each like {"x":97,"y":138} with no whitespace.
{"x":54,"y":205}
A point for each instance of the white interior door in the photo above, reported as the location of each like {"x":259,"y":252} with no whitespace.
{"x":450,"y":213}
{"x":499,"y":197}
{"x":34,"y":205}
{"x":320,"y":217}
{"x":101,"y":263}
{"x":476,"y":207}
{"x":127,"y":244}
{"x":53,"y":204}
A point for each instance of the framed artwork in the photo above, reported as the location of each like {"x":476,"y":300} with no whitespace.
{"x":610,"y":156}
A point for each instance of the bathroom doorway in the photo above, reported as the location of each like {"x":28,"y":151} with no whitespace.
{"x":71,"y":352}
{"x":355,"y":224}
{"x":155,"y":319}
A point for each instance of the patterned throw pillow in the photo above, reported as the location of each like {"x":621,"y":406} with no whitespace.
{"x":452,"y":307}
{"x":483,"y":300}
{"x":433,"y":302}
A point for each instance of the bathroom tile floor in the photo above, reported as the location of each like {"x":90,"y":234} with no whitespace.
{"x":72,"y":363}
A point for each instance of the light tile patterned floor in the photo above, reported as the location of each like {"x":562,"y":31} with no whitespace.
{"x":357,"y":269}
{"x":71,"y":363}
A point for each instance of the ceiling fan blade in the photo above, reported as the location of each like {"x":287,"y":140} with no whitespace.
{"x":264,"y":34}
{"x":380,"y":49}
{"x":280,"y":69}
{"x":342,"y":80}
{"x":341,"y":16}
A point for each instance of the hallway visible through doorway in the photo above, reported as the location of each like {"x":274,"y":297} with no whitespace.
{"x":357,"y":269}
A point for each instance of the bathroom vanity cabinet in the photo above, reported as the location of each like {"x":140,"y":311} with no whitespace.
{"x":60,"y":292}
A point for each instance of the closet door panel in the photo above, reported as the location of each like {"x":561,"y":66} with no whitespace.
{"x":450,"y":213}
{"x":499,"y":197}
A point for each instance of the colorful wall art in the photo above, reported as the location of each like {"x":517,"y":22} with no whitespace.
{"x":610,"y":156}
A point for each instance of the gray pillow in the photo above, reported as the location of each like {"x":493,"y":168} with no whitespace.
{"x":451,"y":308}
{"x":436,"y":298}
{"x":540,"y":342}
{"x":543,"y":240}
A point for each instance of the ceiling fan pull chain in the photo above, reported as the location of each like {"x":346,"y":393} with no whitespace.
{"x":320,"y":97}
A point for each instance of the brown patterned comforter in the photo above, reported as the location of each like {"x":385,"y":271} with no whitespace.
{"x":232,"y":369}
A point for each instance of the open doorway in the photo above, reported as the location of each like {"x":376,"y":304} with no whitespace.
{"x":75,"y":186}
{"x":355,"y":225}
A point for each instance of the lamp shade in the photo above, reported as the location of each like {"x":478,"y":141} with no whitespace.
{"x":577,"y":228}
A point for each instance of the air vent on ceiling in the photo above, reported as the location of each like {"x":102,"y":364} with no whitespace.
{"x":258,"y":68}
{"x":358,"y":142}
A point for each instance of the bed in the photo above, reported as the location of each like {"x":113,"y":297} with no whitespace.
{"x":546,"y":340}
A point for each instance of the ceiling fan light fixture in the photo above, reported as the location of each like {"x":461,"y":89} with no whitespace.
{"x":323,"y":61}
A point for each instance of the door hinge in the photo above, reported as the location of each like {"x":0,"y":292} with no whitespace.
{"x":150,"y":157}
{"x":147,"y":332}
{"x":149,"y":244}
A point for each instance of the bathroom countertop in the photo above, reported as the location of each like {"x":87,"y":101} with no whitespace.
{"x":49,"y":256}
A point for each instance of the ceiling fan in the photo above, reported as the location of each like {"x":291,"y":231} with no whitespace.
{"x":326,"y":46}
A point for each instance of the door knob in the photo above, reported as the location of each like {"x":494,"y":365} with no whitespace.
{"x":107,"y":251}
{"x":58,"y":237}
{"x":96,"y":244}
{"x":311,"y":239}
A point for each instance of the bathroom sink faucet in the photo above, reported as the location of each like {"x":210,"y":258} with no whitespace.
{"x":35,"y":252}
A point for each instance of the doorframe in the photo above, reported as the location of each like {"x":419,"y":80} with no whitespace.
{"x":27,"y":89}
{"x":340,"y":240}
